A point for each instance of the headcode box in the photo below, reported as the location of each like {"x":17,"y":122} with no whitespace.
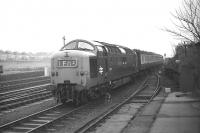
{"x":167,"y":90}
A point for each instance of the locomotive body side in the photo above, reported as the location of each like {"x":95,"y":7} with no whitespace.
{"x":121,"y":64}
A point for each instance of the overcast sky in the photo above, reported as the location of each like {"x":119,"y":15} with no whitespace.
{"x":39,"y":25}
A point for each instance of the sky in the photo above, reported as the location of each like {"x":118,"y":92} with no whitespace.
{"x":39,"y":25}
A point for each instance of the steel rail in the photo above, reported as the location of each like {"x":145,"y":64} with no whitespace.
{"x":57,"y":119}
{"x":41,"y":125}
{"x":65,"y":115}
{"x":24,"y":79}
{"x":24,"y":100}
{"x":27,"y":117}
{"x":23,"y":89}
{"x":22,"y":85}
{"x":157,"y":90}
{"x":21,"y":75}
{"x":60,"y":117}
{"x":13,"y":99}
{"x":23,"y":95}
{"x":96,"y":120}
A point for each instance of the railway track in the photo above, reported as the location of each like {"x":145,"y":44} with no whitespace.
{"x":143,"y":95}
{"x":21,"y":75}
{"x":6,"y":86}
{"x":54,"y":119}
{"x":35,"y":122}
{"x":16,"y":98}
{"x":19,"y":92}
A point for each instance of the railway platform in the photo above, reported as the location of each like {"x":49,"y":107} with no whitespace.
{"x":175,"y":113}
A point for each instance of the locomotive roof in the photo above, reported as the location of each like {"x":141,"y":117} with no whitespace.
{"x":100,"y":43}
{"x":109,"y":44}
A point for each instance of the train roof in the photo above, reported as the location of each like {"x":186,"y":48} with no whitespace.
{"x":146,"y":52}
{"x":100,"y":43}
{"x":109,"y":44}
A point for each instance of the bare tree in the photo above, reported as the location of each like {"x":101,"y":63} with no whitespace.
{"x":187,"y":21}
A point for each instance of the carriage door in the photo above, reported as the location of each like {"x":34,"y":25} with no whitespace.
{"x":105,"y":57}
{"x":102,"y":65}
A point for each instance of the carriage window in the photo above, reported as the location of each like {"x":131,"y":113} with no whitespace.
{"x":71,"y":45}
{"x":128,"y":51}
{"x":112,"y":49}
{"x":106,"y":49}
{"x":122,"y":50}
{"x":117,"y":50}
{"x":85,"y":46}
{"x":100,"y":49}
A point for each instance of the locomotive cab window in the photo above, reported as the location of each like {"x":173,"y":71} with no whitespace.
{"x":71,"y":45}
{"x":85,"y":46}
{"x":100,"y":49}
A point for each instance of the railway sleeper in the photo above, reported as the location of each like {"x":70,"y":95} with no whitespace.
{"x":25,"y":101}
{"x":19,"y":81}
{"x":142,"y":96}
{"x":23,"y":85}
{"x":22,"y":97}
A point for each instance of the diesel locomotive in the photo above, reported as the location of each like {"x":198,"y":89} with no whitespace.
{"x":84,"y":69}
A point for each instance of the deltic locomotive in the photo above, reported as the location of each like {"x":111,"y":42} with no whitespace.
{"x":84,"y":69}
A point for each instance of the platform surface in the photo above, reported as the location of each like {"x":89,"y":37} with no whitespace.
{"x":180,"y":113}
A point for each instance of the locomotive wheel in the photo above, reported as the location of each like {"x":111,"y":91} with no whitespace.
{"x":76,"y":100}
{"x":86,"y":96}
{"x":61,"y":96}
{"x":58,"y":97}
{"x":83,"y":96}
{"x":63,"y":101}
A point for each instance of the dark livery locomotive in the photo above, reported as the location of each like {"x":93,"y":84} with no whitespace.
{"x":86,"y":69}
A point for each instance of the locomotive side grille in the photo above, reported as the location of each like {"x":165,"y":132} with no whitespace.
{"x":93,"y":68}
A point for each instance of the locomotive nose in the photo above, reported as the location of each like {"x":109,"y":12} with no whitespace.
{"x":65,"y":70}
{"x":70,"y":67}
